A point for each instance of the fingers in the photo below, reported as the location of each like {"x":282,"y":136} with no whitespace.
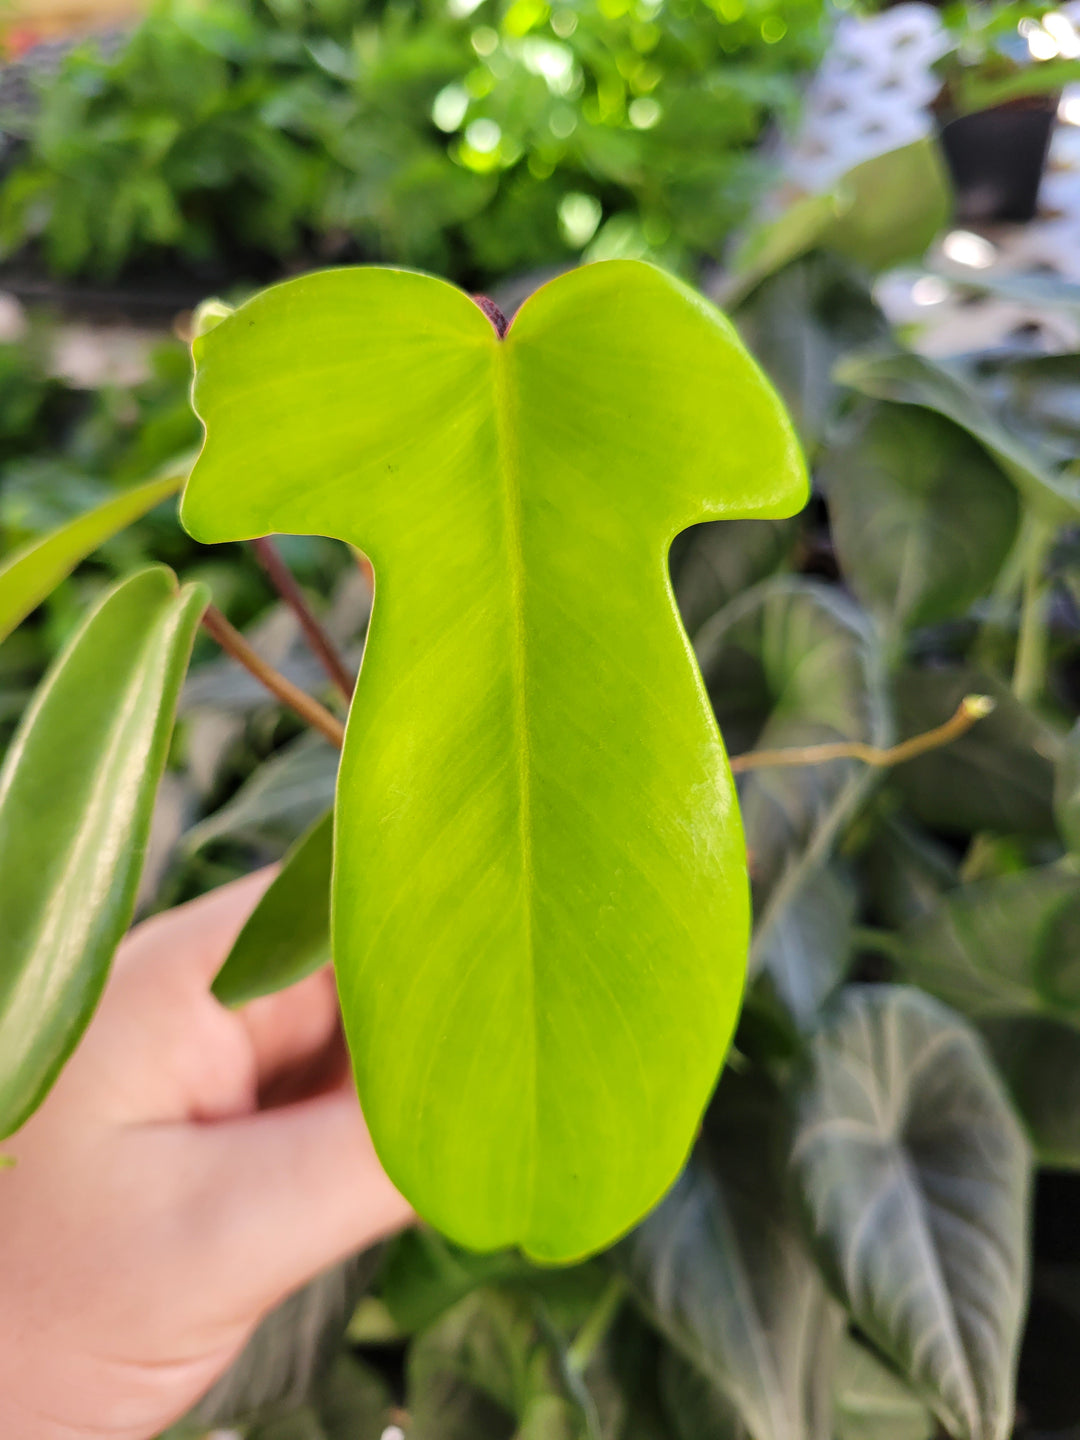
{"x":291,"y":1033}
{"x":288,"y":1192}
{"x":194,"y":939}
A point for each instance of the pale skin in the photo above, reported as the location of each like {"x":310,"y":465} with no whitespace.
{"x":191,"y":1167}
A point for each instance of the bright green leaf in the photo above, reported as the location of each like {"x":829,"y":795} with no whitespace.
{"x":722,"y":1270}
{"x":910,"y":379}
{"x":874,"y":1404}
{"x":921,"y":516}
{"x":287,"y":935}
{"x":32,"y":573}
{"x":914,"y":1176}
{"x":76,"y":794}
{"x":539,"y":902}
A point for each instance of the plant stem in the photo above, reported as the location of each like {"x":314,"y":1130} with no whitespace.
{"x":1029,"y":668}
{"x":284,"y":582}
{"x":596,"y":1326}
{"x":970,"y":709}
{"x":309,"y":710}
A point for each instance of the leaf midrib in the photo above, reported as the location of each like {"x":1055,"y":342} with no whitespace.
{"x":507,"y":459}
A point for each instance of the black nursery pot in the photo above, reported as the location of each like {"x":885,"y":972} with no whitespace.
{"x":996,"y":158}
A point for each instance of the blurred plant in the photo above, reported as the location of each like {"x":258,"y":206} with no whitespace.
{"x":474,"y":139}
{"x":1012,"y":50}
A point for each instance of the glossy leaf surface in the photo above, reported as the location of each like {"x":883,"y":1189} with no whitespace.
{"x":540,"y":909}
{"x":722,"y":1269}
{"x":914,"y":1176}
{"x":287,"y":935}
{"x":76,"y":795}
{"x":32,"y":573}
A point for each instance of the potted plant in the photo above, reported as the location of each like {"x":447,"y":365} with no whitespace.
{"x":1002,"y":77}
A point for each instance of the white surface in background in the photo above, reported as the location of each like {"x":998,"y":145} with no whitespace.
{"x":872,"y":93}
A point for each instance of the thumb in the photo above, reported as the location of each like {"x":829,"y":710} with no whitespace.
{"x":287,"y":1192}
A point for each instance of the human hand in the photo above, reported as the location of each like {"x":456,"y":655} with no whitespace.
{"x":190,"y":1168}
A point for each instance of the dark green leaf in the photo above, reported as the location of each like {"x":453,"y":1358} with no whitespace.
{"x":794,"y":662}
{"x":798,"y":324}
{"x":914,"y":1176}
{"x":711,"y":563}
{"x":1067,"y":790}
{"x":353,"y":1401}
{"x":425,"y":1275}
{"x":287,"y":935}
{"x":921,"y":516}
{"x":775,"y":242}
{"x":722,"y":1270}
{"x":698,"y":1410}
{"x":874,"y":1404}
{"x":76,"y":796}
{"x":997,"y":777}
{"x":1037,"y":396}
{"x":911,"y":379}
{"x":283,"y":798}
{"x":804,"y":951}
{"x":1003,"y":946}
{"x":904,"y":870}
{"x":1040,"y":1062}
{"x":492,"y":1369}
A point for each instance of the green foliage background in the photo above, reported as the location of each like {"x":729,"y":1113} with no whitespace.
{"x":471,"y":139}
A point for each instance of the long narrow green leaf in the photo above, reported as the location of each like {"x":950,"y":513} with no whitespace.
{"x":76,"y":795}
{"x":32,"y":573}
{"x":287,"y":935}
